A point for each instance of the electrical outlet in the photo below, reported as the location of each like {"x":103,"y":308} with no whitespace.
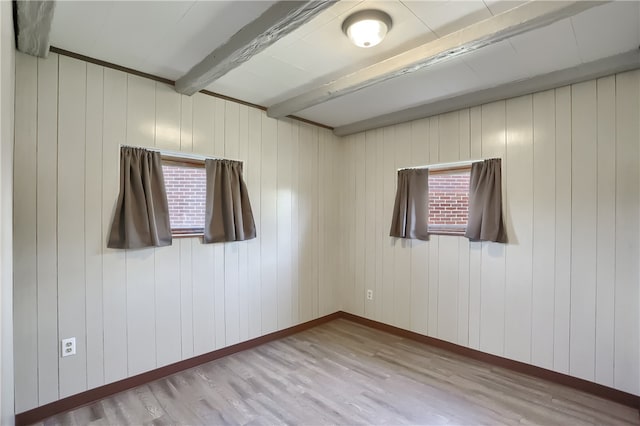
{"x":69,"y":346}
{"x":369,"y":294}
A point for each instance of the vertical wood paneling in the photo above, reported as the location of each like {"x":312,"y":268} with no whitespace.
{"x":544,"y":224}
{"x":449,"y":137}
{"x":448,"y":250}
{"x":492,"y":275}
{"x":186,"y":276}
{"x":606,"y":230}
{"x":464,"y":129}
{"x":562,"y":299}
{"x":167,"y":259}
{"x":231,"y":251}
{"x":253,"y":175}
{"x":313,"y":141}
{"x":433,"y":284}
{"x":135,"y":310}
{"x":71,"y":226}
{"x":448,"y":258}
{"x":519,"y":215}
{"x":145,"y":308}
{"x":626,"y":372}
{"x":284,"y":252}
{"x":141,"y":300}
{"x":202,"y":267}
{"x":93,"y":239}
{"x":24,"y":234}
{"x":349,"y":225}
{"x":217,"y":146}
{"x":269,"y":221}
{"x":303,"y":241}
{"x":47,"y":219}
{"x":382,"y":228}
{"x":369,"y":220}
{"x":537,"y":298}
{"x":114,"y":281}
{"x":389,"y":188}
{"x":217,"y":149}
{"x":296,"y":255}
{"x":358,"y":231}
{"x":186,"y":299}
{"x":324,"y":175}
{"x":583,"y":226}
{"x":243,"y":248}
{"x":475,"y":248}
{"x":402,"y":247}
{"x":420,"y":249}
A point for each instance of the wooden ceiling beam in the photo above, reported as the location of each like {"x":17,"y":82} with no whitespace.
{"x":276,"y":22}
{"x":588,"y":71}
{"x":33,"y":26}
{"x":524,"y":18}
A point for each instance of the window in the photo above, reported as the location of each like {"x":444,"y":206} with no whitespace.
{"x":449,"y":200}
{"x":186,"y":182}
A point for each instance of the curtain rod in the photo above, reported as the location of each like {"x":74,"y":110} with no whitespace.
{"x":180,"y":154}
{"x":443,"y":165}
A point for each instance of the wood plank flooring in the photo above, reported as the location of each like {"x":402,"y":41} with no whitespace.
{"x":346,"y":373}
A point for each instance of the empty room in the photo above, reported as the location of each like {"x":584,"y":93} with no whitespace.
{"x":320,"y":212}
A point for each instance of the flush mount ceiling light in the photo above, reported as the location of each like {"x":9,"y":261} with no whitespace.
{"x":367,"y":28}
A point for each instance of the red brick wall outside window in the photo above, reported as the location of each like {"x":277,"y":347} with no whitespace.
{"x":449,"y":201}
{"x":186,"y":194}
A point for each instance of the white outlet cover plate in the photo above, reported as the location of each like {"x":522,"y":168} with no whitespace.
{"x":68,"y":346}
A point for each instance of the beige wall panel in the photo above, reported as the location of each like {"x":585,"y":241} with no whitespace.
{"x":492,"y":269}
{"x":519,"y":217}
{"x":562,"y":299}
{"x":24,"y":233}
{"x":583,"y":229}
{"x":626,"y":334}
{"x":47,"y":220}
{"x":544,"y":228}
{"x":606,"y":231}
{"x":71,"y":226}
{"x":93,"y":239}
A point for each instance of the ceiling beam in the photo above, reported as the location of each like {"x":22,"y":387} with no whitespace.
{"x":33,"y":26}
{"x":276,"y":22}
{"x":524,"y":18}
{"x":602,"y":67}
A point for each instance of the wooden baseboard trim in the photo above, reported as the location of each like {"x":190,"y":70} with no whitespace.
{"x":592,"y":388}
{"x":87,"y":397}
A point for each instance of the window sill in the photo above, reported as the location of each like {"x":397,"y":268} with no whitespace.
{"x":187,"y":233}
{"x":456,"y":230}
{"x":443,"y":232}
{"x":178,"y":236}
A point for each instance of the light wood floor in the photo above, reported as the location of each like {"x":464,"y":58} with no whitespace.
{"x":345,"y":373}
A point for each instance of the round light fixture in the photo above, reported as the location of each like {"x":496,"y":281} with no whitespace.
{"x":367,"y":28}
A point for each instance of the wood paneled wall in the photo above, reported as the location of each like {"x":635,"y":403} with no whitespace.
{"x":7,"y":95}
{"x":136,"y":310}
{"x":564,"y":293}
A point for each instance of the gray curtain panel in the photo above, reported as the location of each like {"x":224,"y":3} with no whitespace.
{"x":411,"y":210}
{"x":485,"y":202}
{"x":142,"y":213}
{"x":228,"y":215}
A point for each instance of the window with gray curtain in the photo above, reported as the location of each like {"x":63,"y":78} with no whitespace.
{"x":411,"y":209}
{"x":141,"y":216}
{"x":228,"y":215}
{"x":485,"y":202}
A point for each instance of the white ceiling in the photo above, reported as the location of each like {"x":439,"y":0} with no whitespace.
{"x":168,"y":38}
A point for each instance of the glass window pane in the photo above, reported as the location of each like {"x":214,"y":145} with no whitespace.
{"x":449,"y":201}
{"x":186,"y":193}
